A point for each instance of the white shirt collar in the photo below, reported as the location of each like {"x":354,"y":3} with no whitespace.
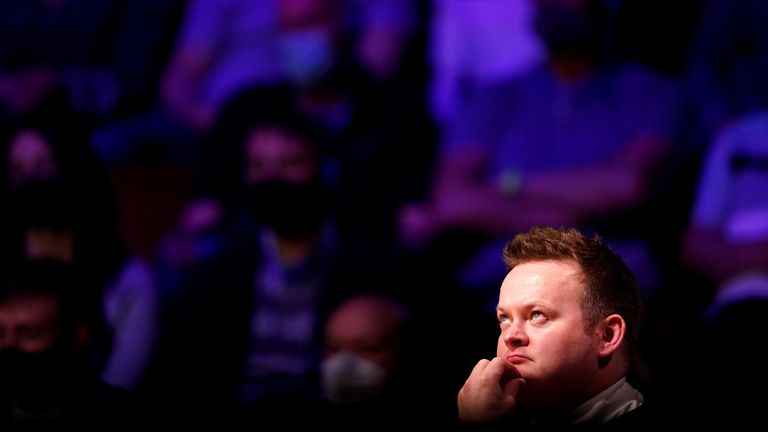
{"x":612,"y":402}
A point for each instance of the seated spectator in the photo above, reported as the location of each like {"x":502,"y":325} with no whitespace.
{"x":61,"y":208}
{"x":371,"y":370}
{"x":46,"y":377}
{"x":224,"y":47}
{"x":726,"y":249}
{"x":263,"y":274}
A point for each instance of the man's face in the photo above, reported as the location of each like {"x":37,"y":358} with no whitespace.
{"x":29,"y":324}
{"x":544,"y":334}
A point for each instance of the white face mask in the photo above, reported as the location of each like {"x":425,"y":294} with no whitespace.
{"x":349,"y":378}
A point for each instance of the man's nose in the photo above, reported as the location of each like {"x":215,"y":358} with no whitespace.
{"x":515,"y":335}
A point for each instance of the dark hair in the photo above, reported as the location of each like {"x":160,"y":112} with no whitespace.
{"x":610,"y":286}
{"x":220,"y":174}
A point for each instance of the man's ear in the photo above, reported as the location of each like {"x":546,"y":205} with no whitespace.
{"x":610,"y":331}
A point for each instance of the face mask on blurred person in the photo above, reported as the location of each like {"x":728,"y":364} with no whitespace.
{"x":292,"y":210}
{"x":307,"y":55}
{"x":349,"y":378}
{"x":32,"y":379}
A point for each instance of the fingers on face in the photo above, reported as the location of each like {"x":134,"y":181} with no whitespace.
{"x":513,"y":387}
{"x":480,"y":366}
{"x":503,"y":369}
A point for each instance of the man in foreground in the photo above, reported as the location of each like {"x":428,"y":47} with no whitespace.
{"x":569,"y":312}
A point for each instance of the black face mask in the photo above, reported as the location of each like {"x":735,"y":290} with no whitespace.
{"x":34,"y":380}
{"x":292,"y":210}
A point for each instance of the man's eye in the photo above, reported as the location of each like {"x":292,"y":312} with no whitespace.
{"x":537,"y":315}
{"x":503,"y":319}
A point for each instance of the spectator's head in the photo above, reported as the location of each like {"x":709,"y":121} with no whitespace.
{"x":308,"y":38}
{"x":30,"y":157}
{"x":41,"y":330}
{"x":44,"y":221}
{"x":48,"y":219}
{"x":366,"y":344}
{"x":282,"y":173}
{"x":39,"y":308}
{"x":45,"y":148}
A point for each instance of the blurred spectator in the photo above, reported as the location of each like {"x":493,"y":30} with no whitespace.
{"x":262,"y":274}
{"x":526,"y":152}
{"x":383,"y":32}
{"x":272,"y":40}
{"x":98,"y":55}
{"x":727,"y":238}
{"x":372,"y":369}
{"x":728,"y":62}
{"x":50,"y":227}
{"x":370,"y":128}
{"x":226,"y":46}
{"x":61,"y":207}
{"x":477,"y":43}
{"x":368,"y":131}
{"x":54,"y":148}
{"x":726,"y":248}
{"x":365,"y":346}
{"x":46,"y":380}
